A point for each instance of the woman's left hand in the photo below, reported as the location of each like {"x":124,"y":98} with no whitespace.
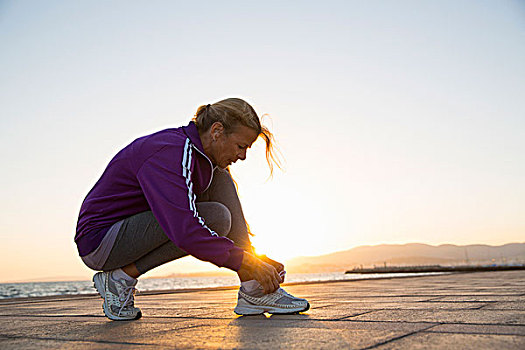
{"x":261,"y":271}
{"x":278,"y":266}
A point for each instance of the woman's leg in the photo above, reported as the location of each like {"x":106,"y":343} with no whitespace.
{"x":142,"y":243}
{"x":223,"y":190}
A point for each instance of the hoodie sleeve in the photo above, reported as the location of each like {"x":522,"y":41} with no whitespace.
{"x":165,"y":179}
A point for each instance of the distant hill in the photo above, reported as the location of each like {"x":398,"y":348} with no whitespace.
{"x":408,"y":254}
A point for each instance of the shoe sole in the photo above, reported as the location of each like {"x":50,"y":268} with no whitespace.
{"x":100,"y":286}
{"x":253,"y":310}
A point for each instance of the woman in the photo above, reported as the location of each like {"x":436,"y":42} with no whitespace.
{"x":169,"y":194}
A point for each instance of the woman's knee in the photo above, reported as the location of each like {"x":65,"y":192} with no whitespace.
{"x":216,"y":216}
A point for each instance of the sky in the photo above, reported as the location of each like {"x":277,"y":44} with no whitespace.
{"x":398,"y":121}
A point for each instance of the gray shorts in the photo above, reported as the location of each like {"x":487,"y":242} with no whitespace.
{"x":97,"y":258}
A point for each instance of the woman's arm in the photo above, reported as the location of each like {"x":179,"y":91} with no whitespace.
{"x":165,"y":179}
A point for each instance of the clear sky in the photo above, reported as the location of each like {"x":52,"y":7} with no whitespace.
{"x":400,"y":121}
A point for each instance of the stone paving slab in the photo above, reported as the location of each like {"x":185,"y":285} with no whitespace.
{"x":484,"y":310}
{"x":455,"y":341}
{"x":481,"y":298}
{"x":447,"y":316}
{"x":478,"y":329}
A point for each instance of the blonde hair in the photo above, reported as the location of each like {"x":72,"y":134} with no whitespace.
{"x":232,"y":112}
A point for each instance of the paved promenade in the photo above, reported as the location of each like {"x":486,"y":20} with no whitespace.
{"x":484,"y":310}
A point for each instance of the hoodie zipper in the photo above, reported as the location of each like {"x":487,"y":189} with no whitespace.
{"x":209,"y":161}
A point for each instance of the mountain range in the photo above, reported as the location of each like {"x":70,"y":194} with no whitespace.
{"x":409,"y":254}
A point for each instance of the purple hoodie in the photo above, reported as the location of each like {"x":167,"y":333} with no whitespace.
{"x":161,"y":172}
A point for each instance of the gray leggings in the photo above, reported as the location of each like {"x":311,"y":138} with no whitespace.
{"x":142,"y":241}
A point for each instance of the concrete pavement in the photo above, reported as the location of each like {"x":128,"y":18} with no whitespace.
{"x":484,"y":310}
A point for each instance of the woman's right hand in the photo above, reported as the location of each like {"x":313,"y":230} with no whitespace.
{"x":264,"y":273}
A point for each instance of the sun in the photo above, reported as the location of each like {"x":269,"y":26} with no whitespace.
{"x":264,"y":245}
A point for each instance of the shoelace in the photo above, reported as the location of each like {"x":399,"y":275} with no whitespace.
{"x":283,"y":292}
{"x":279,"y":292}
{"x":126,"y":296}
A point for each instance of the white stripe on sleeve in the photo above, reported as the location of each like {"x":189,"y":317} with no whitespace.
{"x":186,"y":172}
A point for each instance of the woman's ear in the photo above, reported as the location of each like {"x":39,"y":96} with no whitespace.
{"x":216,"y":131}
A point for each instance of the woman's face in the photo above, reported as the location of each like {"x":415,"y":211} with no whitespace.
{"x":228,"y":148}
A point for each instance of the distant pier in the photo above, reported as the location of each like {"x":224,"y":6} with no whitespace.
{"x":436,"y":268}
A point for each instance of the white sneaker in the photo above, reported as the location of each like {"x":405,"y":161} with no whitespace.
{"x":118,"y":297}
{"x":278,"y":302}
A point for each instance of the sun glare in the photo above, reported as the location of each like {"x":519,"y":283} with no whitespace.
{"x":265,"y":246}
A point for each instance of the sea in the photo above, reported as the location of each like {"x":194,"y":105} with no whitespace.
{"x":42,"y":289}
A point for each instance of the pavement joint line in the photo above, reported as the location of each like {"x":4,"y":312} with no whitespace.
{"x":500,"y":310}
{"x":435,"y":323}
{"x":159,"y":333}
{"x":396,"y":322}
{"x":73,"y":340}
{"x":187,"y":327}
{"x":480,"y":333}
{"x":355,"y":315}
{"x":433,"y":309}
{"x":430,"y":300}
{"x":399,"y":337}
{"x":481,"y":307}
{"x":42,"y":315}
{"x":460,"y":302}
{"x":432,"y":296}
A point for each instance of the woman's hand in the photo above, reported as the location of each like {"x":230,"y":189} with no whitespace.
{"x":264,"y":273}
{"x":278,"y":266}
